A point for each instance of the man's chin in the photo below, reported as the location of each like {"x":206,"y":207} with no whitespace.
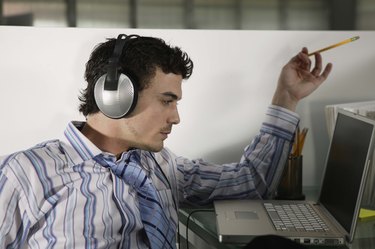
{"x":153,"y":148}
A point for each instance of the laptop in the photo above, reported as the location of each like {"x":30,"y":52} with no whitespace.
{"x":338,"y":205}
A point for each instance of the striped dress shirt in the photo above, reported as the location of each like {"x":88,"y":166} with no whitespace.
{"x":55,"y":195}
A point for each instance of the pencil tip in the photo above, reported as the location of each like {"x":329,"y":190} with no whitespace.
{"x":355,"y":38}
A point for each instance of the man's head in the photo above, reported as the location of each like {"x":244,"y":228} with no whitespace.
{"x":158,"y":69}
{"x":140,"y":58}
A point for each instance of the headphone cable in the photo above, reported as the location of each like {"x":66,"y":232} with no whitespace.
{"x":187,"y":222}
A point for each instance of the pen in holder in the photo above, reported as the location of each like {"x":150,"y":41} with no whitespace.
{"x":290,"y":186}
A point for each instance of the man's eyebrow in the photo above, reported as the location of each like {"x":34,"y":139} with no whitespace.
{"x":170,"y":94}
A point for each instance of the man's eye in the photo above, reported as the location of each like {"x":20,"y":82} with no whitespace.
{"x":167,"y":102}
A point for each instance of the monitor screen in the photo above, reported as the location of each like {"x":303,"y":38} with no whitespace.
{"x":346,"y":162}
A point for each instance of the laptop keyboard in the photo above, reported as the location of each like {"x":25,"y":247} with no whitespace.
{"x":299,"y":217}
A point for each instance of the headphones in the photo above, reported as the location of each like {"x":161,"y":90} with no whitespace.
{"x":115,"y":93}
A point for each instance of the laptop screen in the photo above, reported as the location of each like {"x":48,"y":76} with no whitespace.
{"x":346,"y":162}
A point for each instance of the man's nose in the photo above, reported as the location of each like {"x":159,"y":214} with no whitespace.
{"x":175,"y":116}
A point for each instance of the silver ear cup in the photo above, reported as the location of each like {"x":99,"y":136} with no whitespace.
{"x":117,"y":103}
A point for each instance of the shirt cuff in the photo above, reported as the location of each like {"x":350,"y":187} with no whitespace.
{"x":280,"y":122}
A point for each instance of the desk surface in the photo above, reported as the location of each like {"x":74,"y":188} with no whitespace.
{"x":202,"y":223}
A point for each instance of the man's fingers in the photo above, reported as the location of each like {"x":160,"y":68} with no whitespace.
{"x":326,"y":72}
{"x":318,"y":65}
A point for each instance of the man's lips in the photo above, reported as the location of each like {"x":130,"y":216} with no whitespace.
{"x":165,"y":133}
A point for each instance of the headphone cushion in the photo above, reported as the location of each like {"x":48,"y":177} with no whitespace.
{"x":115,"y":103}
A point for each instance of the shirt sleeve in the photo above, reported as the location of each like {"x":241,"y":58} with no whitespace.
{"x":255,"y":176}
{"x":11,"y":221}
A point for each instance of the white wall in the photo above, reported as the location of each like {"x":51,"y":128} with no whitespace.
{"x":41,"y":72}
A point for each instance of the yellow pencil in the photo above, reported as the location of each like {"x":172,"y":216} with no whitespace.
{"x":335,"y":45}
{"x":302,"y":140}
{"x":299,"y":141}
{"x":296,"y":143}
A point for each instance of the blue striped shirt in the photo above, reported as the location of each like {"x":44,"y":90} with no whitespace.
{"x":54,"y":195}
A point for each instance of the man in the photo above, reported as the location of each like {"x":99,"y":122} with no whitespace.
{"x":110,"y":183}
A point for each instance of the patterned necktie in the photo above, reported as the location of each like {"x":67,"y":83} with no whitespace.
{"x":160,"y":230}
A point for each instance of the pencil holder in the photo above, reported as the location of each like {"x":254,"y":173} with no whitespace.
{"x":290,"y":187}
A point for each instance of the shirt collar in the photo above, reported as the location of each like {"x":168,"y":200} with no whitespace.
{"x":78,"y":147}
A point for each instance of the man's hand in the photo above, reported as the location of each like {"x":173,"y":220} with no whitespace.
{"x":297,"y":80}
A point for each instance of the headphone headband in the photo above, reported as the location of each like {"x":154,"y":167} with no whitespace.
{"x":112,"y":72}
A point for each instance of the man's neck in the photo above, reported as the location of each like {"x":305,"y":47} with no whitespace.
{"x":98,"y":134}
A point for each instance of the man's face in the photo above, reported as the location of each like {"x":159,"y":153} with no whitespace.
{"x":156,"y":112}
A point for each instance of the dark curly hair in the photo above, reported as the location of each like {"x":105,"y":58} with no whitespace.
{"x":140,"y":58}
